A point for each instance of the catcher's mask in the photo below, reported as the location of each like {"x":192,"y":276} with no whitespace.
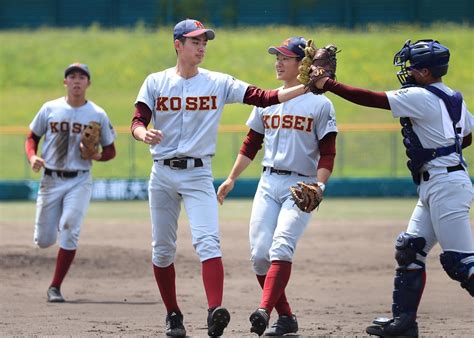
{"x":421,"y":54}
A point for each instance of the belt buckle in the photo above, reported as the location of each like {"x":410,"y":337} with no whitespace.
{"x":178,"y":163}
{"x":60,"y":173}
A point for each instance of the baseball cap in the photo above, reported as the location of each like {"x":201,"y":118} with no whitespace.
{"x":77,"y":66}
{"x":190,"y":28}
{"x":292,"y":47}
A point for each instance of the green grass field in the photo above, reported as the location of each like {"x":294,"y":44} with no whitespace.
{"x":233,"y":209}
{"x":32,"y":64}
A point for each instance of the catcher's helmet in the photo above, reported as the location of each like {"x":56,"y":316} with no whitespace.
{"x":421,"y":54}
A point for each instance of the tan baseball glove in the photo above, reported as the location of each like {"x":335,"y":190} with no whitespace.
{"x":307,"y":196}
{"x":305,"y":67}
{"x":323,"y":64}
{"x":90,"y":140}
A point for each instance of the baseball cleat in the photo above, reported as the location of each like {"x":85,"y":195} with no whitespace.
{"x":174,"y":325}
{"x":54,"y":295}
{"x":259,"y":320}
{"x":283,"y":325}
{"x":217,"y":320}
{"x":402,"y":326}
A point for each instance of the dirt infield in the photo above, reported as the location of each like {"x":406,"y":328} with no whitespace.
{"x":342,"y":278}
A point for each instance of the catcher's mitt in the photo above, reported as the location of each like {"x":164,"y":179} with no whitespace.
{"x":307,"y":196}
{"x":323,"y":64}
{"x":90,"y":140}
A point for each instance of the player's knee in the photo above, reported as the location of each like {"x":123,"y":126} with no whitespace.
{"x":208,"y":247}
{"x":409,"y":249}
{"x":162,"y":260}
{"x":260,"y":261}
{"x":43,"y":241}
{"x":281,"y":252}
{"x":460,"y":267}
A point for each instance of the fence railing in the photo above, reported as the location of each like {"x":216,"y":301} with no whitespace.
{"x":363,"y":150}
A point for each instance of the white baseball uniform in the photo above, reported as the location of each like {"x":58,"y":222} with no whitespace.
{"x":66,"y":184}
{"x":442,"y":211}
{"x":188,"y":112}
{"x":292,"y":131}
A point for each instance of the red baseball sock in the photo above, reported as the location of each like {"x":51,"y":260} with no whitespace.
{"x":282,"y":306}
{"x":63,"y":262}
{"x":275,"y":283}
{"x":165,"y":278}
{"x":213,"y":278}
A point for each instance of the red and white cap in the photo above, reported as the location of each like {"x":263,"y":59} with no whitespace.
{"x":191,"y":28}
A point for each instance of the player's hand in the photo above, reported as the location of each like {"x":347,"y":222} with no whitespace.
{"x":224,"y":189}
{"x":153,"y":136}
{"x":320,"y":83}
{"x":36,"y":163}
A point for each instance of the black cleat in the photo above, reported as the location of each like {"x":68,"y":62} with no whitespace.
{"x":54,"y":295}
{"x":174,"y":325}
{"x":259,"y":320}
{"x":217,"y":320}
{"x":283,"y":325}
{"x":402,"y":326}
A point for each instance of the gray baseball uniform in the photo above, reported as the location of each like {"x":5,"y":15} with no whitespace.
{"x":188,"y":111}
{"x":63,"y":199}
{"x":445,"y":198}
{"x":276,"y":224}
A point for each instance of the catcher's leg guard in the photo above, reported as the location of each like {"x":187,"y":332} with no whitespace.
{"x":407,"y":292}
{"x":458,"y":265}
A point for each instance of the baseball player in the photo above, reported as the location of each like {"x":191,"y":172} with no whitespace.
{"x":300,"y":145}
{"x":185,"y":103}
{"x":66,"y":183}
{"x":436,"y":127}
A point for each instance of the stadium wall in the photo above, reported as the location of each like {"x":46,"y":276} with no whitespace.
{"x":156,"y":13}
{"x":136,"y":189}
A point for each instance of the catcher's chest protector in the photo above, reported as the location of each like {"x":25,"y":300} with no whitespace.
{"x":418,"y":155}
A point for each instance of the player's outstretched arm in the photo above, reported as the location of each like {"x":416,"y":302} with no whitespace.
{"x":290,"y":93}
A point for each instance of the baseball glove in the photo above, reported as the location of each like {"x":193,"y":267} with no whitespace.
{"x":90,"y":140}
{"x":307,"y":196}
{"x":305,"y":67}
{"x":323,"y":65}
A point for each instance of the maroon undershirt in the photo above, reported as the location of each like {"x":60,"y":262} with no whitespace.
{"x":369,"y":98}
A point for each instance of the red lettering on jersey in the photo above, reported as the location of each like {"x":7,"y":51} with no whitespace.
{"x":309,"y":127}
{"x":64,"y":126}
{"x":265,"y":121}
{"x":175,"y":103}
{"x":287,"y":121}
{"x":299,"y":122}
{"x":275,"y":121}
{"x":204,"y":102}
{"x":161,"y":103}
{"x":214,"y":102}
{"x":76,"y":128}
{"x":54,"y":127}
{"x":191,"y":103}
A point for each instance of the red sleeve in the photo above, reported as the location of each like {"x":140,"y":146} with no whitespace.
{"x":360,"y":96}
{"x":108,"y":153}
{"x":141,"y":116}
{"x":31,"y":144}
{"x":261,"y":98}
{"x":252,"y":144}
{"x":327,"y":150}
